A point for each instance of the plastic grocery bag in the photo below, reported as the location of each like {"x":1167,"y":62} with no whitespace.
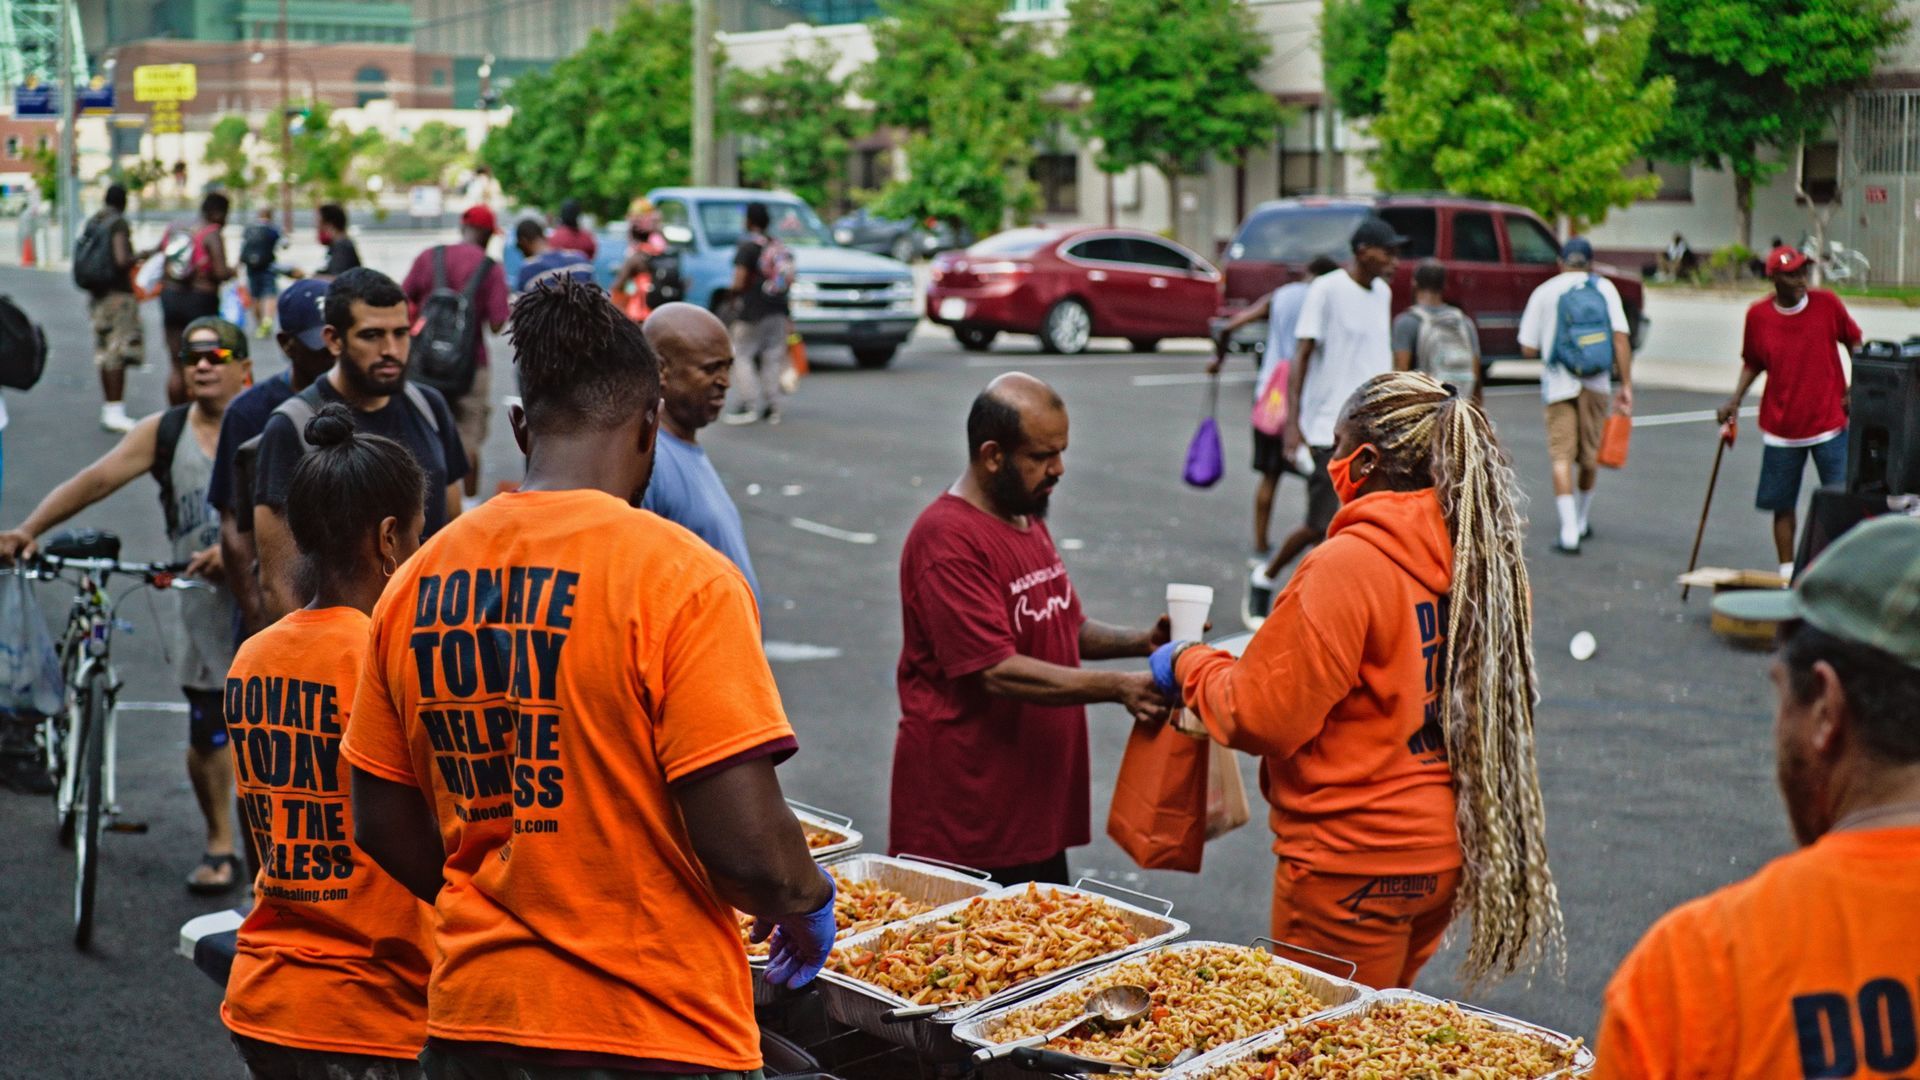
{"x":1205,"y":459}
{"x":1270,"y":401}
{"x":1159,"y":810}
{"x":30,"y":679}
{"x":233,"y":303}
{"x":1227,"y":807}
{"x":146,"y":277}
{"x":1614,"y":439}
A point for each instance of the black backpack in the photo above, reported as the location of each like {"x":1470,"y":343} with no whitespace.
{"x":442,"y":352}
{"x":257,"y":245}
{"x":93,"y":268}
{"x":173,"y":423}
{"x":23,"y":347}
{"x":667,"y":283}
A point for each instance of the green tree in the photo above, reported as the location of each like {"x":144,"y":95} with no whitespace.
{"x":46,"y":173}
{"x":227,"y":152}
{"x":424,"y":157}
{"x":1543,"y":104}
{"x":795,"y":125}
{"x":1171,"y":83}
{"x":967,"y":86}
{"x":327,"y":160}
{"x":1756,"y":75}
{"x":1354,"y":36}
{"x":608,"y":122}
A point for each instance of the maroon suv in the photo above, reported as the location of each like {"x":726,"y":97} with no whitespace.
{"x":1496,"y":254}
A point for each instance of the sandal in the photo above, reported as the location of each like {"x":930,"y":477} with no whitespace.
{"x":229,"y":864}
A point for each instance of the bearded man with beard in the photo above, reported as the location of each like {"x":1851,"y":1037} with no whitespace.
{"x":990,"y":762}
{"x":368,"y":332}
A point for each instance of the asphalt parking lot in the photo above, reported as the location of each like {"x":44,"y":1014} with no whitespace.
{"x":1656,"y":755}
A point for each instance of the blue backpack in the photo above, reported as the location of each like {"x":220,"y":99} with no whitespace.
{"x":1583,"y":340}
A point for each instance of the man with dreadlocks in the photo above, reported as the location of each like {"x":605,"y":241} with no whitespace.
{"x":1391,"y":694}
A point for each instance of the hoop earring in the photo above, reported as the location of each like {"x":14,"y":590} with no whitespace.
{"x":387,"y":565}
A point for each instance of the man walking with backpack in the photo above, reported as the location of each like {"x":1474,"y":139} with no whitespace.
{"x":196,"y":267}
{"x":762,"y":275}
{"x":452,"y":290}
{"x":103,"y":261}
{"x":1435,"y":337}
{"x":258,"y":248}
{"x":1576,"y":322}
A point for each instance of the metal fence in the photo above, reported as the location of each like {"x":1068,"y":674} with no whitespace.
{"x":1879,"y":213}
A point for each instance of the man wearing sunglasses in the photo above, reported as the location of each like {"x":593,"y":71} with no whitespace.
{"x":176,"y":448}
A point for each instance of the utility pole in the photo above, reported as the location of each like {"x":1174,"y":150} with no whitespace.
{"x":702,"y":92}
{"x":286,"y":132}
{"x":69,"y":193}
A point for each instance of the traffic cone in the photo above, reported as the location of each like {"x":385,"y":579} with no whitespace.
{"x":28,"y":257}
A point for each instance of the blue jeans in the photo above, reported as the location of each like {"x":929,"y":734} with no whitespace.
{"x":1782,"y":466}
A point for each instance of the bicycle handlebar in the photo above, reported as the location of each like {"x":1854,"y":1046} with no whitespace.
{"x":159,"y":575}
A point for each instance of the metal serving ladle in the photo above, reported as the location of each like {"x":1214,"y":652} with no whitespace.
{"x":1116,"y":1006}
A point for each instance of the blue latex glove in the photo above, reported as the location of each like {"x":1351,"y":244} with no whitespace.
{"x":800,"y":942}
{"x":1160,"y":666}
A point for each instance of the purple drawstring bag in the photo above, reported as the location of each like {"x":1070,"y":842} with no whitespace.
{"x":1205,"y":458}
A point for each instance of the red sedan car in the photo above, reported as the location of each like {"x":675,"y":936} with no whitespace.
{"x":1071,"y":284}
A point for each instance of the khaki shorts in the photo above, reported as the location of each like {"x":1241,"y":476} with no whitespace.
{"x":118,"y":342}
{"x":471,"y":410}
{"x":1574,"y":428}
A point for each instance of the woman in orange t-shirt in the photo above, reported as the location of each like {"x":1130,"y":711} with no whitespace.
{"x":331,"y":974}
{"x":1390,"y":694}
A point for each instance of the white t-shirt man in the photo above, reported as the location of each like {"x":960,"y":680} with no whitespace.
{"x":1540,"y":323}
{"x":1354,"y":328}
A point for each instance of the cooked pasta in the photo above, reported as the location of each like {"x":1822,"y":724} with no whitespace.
{"x":1202,"y":998}
{"x":1404,"y":1041}
{"x":819,"y":837}
{"x":857,"y":906}
{"x":987,"y":946}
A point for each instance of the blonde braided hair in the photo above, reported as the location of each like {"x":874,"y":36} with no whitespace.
{"x":1427,"y":434}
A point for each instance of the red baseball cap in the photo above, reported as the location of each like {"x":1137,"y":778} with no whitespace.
{"x":480,"y":216}
{"x":1781,"y":260}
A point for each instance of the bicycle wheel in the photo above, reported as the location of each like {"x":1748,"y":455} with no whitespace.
{"x":88,"y":816}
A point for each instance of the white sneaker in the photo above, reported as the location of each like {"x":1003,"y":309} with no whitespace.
{"x":739,"y":416}
{"x":114,"y":418}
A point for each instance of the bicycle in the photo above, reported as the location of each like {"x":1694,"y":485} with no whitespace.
{"x":78,"y":746}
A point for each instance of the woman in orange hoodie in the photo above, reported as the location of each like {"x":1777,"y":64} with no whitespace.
{"x":1390,"y":696}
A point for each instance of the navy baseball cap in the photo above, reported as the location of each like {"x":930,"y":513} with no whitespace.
{"x":1374,"y":231}
{"x":1576,"y":249}
{"x":302,"y":311}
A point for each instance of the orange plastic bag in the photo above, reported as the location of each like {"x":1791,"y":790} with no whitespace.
{"x":1159,"y":811}
{"x":797,"y":353}
{"x":1614,"y":439}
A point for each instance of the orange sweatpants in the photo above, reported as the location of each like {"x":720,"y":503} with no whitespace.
{"x":1390,"y":925}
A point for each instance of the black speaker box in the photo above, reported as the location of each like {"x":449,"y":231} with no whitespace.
{"x":1883,"y":422}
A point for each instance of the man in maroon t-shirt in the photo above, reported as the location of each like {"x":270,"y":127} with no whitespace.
{"x":1795,"y":336}
{"x":463,"y":260}
{"x":990,"y":764}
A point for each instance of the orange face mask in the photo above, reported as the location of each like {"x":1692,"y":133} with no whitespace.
{"x":1340,"y":472}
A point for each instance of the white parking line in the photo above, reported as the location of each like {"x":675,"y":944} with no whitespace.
{"x":1664,"y":419}
{"x":832,"y":533}
{"x":795,"y":652}
{"x":154,"y":706}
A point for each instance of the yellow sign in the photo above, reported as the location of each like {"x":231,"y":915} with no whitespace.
{"x":164,"y":82}
{"x":165,"y":118}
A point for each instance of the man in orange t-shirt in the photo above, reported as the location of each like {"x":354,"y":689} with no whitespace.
{"x":573,"y":689}
{"x":1812,"y":966}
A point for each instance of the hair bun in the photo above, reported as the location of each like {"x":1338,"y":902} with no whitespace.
{"x":332,"y":426}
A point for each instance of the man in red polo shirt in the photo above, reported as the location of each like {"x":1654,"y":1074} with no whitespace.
{"x":990,"y":764}
{"x":1795,"y":336}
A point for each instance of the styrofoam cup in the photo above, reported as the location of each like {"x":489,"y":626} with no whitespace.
{"x":1187,"y":607}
